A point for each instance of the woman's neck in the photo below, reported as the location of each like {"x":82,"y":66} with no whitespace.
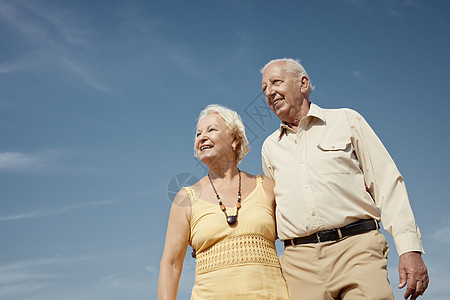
{"x":226,"y":173}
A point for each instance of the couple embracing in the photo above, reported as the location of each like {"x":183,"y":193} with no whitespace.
{"x":328,"y":181}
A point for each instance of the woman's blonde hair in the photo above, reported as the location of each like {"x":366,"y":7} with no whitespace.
{"x":233,"y":123}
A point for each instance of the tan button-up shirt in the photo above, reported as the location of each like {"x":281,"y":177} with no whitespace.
{"x":333,"y":171}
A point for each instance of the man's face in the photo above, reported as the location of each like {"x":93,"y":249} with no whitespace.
{"x":282,"y":90}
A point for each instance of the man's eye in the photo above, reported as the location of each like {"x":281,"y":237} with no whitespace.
{"x":276,"y":82}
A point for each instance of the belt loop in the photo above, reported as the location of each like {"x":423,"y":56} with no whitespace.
{"x":318,"y":237}
{"x":376,"y":224}
{"x":339,"y":233}
{"x":292,"y":242}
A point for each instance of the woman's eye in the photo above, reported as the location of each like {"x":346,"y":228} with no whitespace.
{"x":211,"y":129}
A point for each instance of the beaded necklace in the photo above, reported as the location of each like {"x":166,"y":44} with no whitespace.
{"x":230,"y":219}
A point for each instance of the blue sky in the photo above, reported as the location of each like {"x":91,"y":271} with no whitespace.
{"x":99,"y":100}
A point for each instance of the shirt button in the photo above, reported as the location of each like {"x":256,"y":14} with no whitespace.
{"x":306,"y":186}
{"x":313,"y":214}
{"x":295,"y":141}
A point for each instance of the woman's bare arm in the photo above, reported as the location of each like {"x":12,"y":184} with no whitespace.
{"x":177,"y":238}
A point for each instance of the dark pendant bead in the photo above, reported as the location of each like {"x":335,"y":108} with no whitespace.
{"x":231,"y":219}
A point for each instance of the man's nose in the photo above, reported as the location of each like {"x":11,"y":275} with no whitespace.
{"x":269,"y":91}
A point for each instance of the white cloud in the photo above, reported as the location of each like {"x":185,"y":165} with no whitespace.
{"x":111,"y":281}
{"x":54,"y":211}
{"x":22,"y":288}
{"x":441,"y":235}
{"x":394,"y":12}
{"x":65,"y":161}
{"x":53,"y":34}
{"x":187,"y":279}
{"x":84,"y":75}
{"x":24,"y":277}
{"x":17,"y":160}
{"x":154,"y":271}
{"x":20,"y":161}
{"x":357,"y":74}
{"x":42,"y":26}
{"x":58,"y":278}
{"x":10,"y":67}
{"x":395,"y":8}
{"x":439,"y":279}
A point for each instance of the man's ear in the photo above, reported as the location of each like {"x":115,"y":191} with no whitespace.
{"x":304,"y":84}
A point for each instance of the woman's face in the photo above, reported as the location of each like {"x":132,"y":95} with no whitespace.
{"x":213,"y":141}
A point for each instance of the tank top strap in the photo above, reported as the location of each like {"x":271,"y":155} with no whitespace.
{"x":258,"y":180}
{"x":191,"y":194}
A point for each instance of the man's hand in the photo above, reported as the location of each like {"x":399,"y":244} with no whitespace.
{"x":413,"y":271}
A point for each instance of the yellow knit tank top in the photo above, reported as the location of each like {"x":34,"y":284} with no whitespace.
{"x":251,"y":240}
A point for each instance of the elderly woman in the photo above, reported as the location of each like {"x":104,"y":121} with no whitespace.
{"x":227,"y":217}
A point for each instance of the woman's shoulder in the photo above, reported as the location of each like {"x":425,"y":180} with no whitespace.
{"x":267,"y":181}
{"x":182,"y":198}
{"x":193,"y":191}
{"x":268,"y":185}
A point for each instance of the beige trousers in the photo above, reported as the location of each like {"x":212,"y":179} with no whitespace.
{"x":352,"y":268}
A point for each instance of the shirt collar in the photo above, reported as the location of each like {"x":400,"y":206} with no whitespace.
{"x":314,"y":111}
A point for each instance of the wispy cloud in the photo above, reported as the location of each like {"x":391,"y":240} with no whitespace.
{"x":26,"y":276}
{"x":53,"y":35}
{"x":187,"y":279}
{"x":395,"y":8}
{"x":85,"y":75}
{"x":68,"y":162}
{"x":34,"y":161}
{"x":60,"y":210}
{"x":439,"y":278}
{"x":54,"y":211}
{"x":9,"y":67}
{"x":17,"y":160}
{"x":394,"y":12}
{"x":441,"y":235}
{"x":115,"y":281}
{"x":53,"y":277}
{"x":357,"y":74}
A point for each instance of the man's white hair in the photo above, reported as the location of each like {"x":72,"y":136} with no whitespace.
{"x":292,"y":66}
{"x":234,"y":124}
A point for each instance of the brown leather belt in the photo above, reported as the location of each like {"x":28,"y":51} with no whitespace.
{"x":335,"y":234}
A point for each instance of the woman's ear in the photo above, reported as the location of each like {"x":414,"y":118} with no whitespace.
{"x":235,"y":142}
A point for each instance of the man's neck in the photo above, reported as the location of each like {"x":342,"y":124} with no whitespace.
{"x":302,"y":112}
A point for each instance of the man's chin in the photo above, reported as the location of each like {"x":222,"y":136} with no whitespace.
{"x":279,"y":112}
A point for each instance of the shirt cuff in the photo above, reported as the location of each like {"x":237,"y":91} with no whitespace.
{"x":407,"y":242}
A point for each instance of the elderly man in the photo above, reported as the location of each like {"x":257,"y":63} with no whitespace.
{"x":334,"y":182}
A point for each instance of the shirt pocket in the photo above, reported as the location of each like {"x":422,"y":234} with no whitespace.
{"x":334,"y":157}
